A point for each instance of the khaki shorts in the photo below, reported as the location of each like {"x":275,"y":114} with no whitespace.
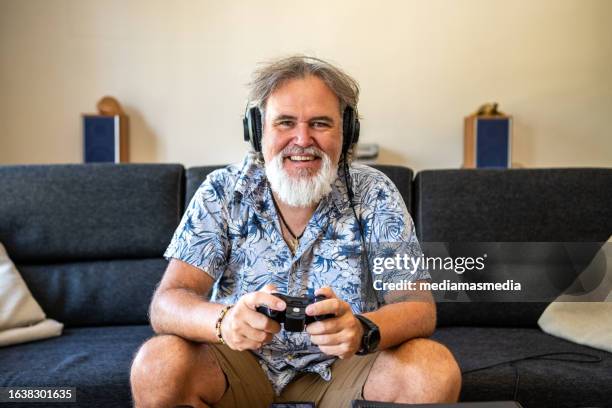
{"x":248,"y":385}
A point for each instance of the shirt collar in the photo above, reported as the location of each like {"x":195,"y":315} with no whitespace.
{"x":339,"y":193}
{"x":252,"y":177}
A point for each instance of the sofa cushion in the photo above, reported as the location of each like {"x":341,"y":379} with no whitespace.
{"x":401,"y":177}
{"x":542,"y":382}
{"x":21,"y":317}
{"x":518,"y":205}
{"x":94,"y":360}
{"x":97,"y":361}
{"x":95,"y":292}
{"x":54,"y":213}
{"x":18,"y":307}
{"x":466,"y":208}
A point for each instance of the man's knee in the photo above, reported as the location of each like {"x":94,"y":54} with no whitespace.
{"x":165,"y":372}
{"x":432,"y":366}
{"x":419,"y":370}
{"x":438,"y":367}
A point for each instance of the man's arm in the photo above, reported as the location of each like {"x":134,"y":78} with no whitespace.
{"x":413,"y":316}
{"x":179,"y":305}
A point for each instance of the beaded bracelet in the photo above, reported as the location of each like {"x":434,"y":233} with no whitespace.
{"x":218,"y":324}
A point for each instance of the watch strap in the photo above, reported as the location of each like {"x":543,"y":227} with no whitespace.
{"x":370,"y":330}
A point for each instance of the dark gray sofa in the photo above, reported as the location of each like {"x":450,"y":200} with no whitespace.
{"x":88,"y":240}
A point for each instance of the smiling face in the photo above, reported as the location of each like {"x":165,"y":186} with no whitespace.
{"x":302,"y":124}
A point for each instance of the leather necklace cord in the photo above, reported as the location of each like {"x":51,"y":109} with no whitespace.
{"x":295,"y":239}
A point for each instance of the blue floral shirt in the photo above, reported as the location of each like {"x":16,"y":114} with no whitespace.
{"x":231,"y":231}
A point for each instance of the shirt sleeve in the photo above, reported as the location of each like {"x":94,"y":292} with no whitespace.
{"x":201,"y":238}
{"x":395,"y":257}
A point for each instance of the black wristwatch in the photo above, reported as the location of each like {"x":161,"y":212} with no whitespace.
{"x":371,"y":336}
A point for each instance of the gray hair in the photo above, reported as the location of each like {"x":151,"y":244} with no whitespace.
{"x":270,"y":76}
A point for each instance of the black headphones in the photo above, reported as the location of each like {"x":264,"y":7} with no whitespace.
{"x":252,"y":124}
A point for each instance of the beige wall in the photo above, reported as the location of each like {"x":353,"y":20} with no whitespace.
{"x":179,"y":67}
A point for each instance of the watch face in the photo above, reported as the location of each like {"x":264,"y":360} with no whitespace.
{"x":373,"y":338}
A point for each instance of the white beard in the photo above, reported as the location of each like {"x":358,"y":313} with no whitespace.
{"x":304,"y":190}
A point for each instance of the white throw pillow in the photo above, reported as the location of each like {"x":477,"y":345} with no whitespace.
{"x":21,"y":317}
{"x":585,"y":319}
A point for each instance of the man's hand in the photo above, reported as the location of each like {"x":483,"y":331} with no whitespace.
{"x":339,"y":336}
{"x":243,"y":328}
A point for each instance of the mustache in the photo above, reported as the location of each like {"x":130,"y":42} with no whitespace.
{"x":302,"y":151}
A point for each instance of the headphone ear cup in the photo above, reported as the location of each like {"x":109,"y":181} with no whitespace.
{"x":348,"y":129}
{"x":356,"y":131}
{"x":251,"y":124}
{"x":257,"y":130}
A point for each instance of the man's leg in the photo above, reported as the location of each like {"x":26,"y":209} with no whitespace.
{"x":169,"y":371}
{"x":417,"y":371}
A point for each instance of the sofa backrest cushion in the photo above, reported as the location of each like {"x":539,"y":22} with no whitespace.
{"x":518,"y":205}
{"x":459,"y":207}
{"x":89,"y":239}
{"x":401,"y":177}
{"x":95,"y":293}
{"x":55,"y":213}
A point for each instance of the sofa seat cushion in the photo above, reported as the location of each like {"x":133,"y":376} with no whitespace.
{"x":541,"y":383}
{"x":95,"y":360}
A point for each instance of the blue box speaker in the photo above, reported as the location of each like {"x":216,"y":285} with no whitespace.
{"x":487,"y":142}
{"x":105,"y":139}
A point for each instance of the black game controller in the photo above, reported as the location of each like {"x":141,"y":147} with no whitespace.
{"x":294,"y":316}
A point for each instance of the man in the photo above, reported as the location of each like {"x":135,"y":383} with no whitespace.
{"x":290,"y":219}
